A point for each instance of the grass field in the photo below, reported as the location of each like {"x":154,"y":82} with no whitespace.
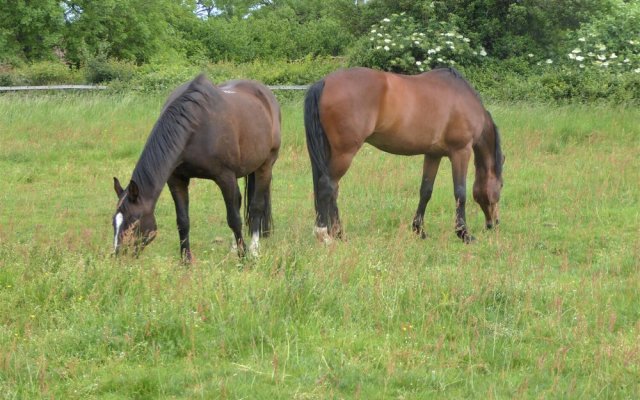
{"x":548,"y":306}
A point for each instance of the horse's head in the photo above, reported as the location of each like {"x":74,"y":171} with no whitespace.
{"x":134,"y":225}
{"x":486,"y":192}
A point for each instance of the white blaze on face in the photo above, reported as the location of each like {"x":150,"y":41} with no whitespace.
{"x":119,"y":218}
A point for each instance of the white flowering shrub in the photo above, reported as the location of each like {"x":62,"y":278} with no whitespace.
{"x":399,"y":44}
{"x":612,"y":43}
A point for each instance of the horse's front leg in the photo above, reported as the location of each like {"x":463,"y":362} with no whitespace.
{"x":429,"y":171}
{"x":179,"y":188}
{"x":228,"y":184}
{"x":459,"y":165}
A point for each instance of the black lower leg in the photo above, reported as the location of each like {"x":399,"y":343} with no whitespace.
{"x":461,"y":225}
{"x":426,"y":188}
{"x":179,"y":189}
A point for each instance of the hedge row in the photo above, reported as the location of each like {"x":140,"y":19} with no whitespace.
{"x":120,"y":75}
{"x":497,"y":81}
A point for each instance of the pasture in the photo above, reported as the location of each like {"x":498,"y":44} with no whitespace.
{"x":547,"y":306}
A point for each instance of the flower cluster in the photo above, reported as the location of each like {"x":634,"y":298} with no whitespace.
{"x":398,"y":44}
{"x":611,"y":43}
{"x":590,"y":51}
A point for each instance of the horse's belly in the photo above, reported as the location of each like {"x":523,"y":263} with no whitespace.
{"x":406,"y":144}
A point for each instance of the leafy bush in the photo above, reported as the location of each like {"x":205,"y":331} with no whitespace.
{"x":100,"y":70}
{"x":611,"y":43}
{"x":399,"y":44}
{"x":40,"y":73}
{"x":498,"y":81}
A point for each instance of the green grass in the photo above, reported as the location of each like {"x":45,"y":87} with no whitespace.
{"x":548,"y":306}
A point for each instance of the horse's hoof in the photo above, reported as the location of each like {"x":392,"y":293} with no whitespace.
{"x":420,"y":232}
{"x":187,"y":258}
{"x":322,"y":235}
{"x":254,"y":251}
{"x":464,"y":234}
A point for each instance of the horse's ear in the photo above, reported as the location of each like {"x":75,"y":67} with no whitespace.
{"x":133,"y":191}
{"x":117,"y":186}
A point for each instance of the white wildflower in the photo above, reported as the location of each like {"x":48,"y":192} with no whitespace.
{"x":483,"y":52}
{"x":576,"y":50}
{"x":530,"y":55}
{"x":581,"y":39}
{"x":386,"y":20}
{"x":386,"y":48}
{"x":613,"y":56}
{"x":418,"y":63}
{"x":549,"y":61}
{"x":637,"y":70}
{"x":601,"y":57}
{"x":579,"y":58}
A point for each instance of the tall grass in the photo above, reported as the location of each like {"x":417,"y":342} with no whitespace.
{"x":547,"y":306}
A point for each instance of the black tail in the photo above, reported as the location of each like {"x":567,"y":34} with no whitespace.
{"x":317,"y":145}
{"x":266,"y":220}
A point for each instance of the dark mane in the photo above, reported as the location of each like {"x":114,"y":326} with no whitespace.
{"x":498,"y":150}
{"x":456,"y":74}
{"x":170,"y":134}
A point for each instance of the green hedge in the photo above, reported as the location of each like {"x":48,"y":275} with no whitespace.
{"x":512,"y":80}
{"x":504,"y":82}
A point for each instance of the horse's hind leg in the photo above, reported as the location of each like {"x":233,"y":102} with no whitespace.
{"x":328,"y":223}
{"x":459,"y":164}
{"x":429,"y":171}
{"x":259,"y":206}
{"x":179,"y":188}
{"x":232,"y":198}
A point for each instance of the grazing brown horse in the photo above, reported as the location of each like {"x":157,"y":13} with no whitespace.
{"x":437,"y":114}
{"x":204,"y":131}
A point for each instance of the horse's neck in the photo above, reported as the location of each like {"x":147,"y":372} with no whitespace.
{"x":151,"y":177}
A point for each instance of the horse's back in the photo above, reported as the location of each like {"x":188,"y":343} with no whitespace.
{"x":238,"y":127}
{"x":435,"y":112}
{"x":254,"y":110}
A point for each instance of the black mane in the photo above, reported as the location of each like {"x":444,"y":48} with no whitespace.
{"x":170,"y":134}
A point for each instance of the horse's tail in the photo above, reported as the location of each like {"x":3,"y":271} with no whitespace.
{"x":266,"y":220}
{"x":317,"y":145}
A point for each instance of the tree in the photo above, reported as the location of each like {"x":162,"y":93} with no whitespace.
{"x":132,"y":30}
{"x":30,"y":29}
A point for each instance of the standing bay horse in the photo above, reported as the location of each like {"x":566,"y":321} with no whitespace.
{"x":204,"y":131}
{"x":437,"y":114}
